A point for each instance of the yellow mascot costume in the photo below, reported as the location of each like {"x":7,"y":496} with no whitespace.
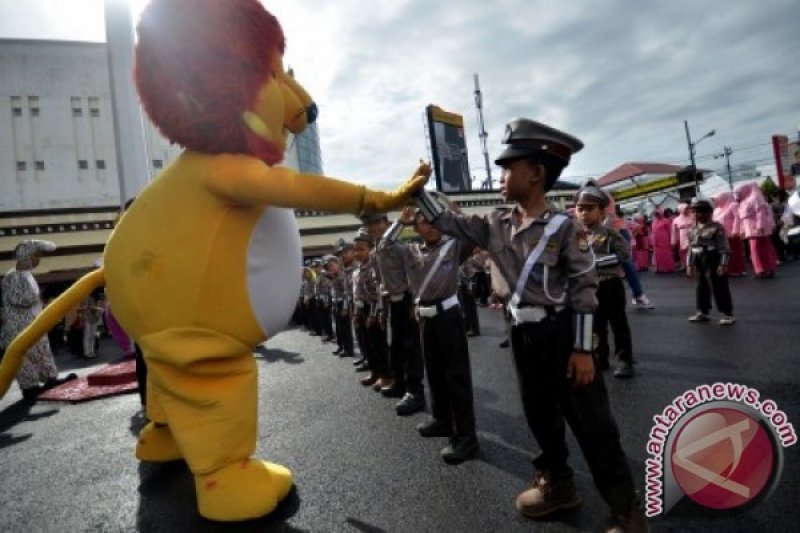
{"x":204,"y":265}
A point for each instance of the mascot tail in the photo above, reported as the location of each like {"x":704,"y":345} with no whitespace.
{"x":44,"y":322}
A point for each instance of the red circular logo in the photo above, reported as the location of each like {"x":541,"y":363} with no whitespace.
{"x":722,"y":458}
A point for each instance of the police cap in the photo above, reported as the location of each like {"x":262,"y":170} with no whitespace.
{"x":362,"y":235}
{"x":369,"y":218}
{"x":592,"y":194}
{"x":701,"y":204}
{"x":526,"y":137}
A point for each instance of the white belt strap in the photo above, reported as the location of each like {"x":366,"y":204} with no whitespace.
{"x":549,"y":230}
{"x":442,"y":252}
{"x":432,"y":310}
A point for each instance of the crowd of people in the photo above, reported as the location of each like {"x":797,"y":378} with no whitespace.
{"x":409,"y":306}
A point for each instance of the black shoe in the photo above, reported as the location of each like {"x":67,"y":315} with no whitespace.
{"x":393,"y":391}
{"x":329,"y":339}
{"x":32,"y":393}
{"x":347,"y":353}
{"x":460,"y":449}
{"x":360,"y":361}
{"x":315,"y":334}
{"x":624,"y":370}
{"x":338,"y":351}
{"x":410,"y":404}
{"x":55,"y":382}
{"x":435,"y":428}
{"x":362,"y":368}
{"x":504,"y":344}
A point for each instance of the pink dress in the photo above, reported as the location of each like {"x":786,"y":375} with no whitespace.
{"x":641,"y":245}
{"x":726,"y":212}
{"x":662,"y":247}
{"x":757,"y":224}
{"x":681,"y":225}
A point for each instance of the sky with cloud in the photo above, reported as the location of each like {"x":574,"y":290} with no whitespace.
{"x":621,"y":75}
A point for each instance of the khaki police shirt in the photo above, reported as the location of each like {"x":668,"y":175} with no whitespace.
{"x":392,"y":270}
{"x":568,"y":270}
{"x":711,"y":236}
{"x":606,"y":241}
{"x":366,"y":285}
{"x":420,"y":259}
{"x":324,"y":284}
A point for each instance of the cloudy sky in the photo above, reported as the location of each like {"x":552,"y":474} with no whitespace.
{"x":622,"y":75}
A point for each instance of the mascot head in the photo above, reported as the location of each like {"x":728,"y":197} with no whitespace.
{"x":210,"y":76}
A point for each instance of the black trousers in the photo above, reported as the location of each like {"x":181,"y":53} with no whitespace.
{"x":541,"y":353}
{"x":315,"y":322}
{"x":611,"y":301}
{"x":344,"y":328}
{"x":326,"y":317}
{"x":482,"y":288}
{"x":141,"y":374}
{"x":372,"y":341}
{"x":405,"y":353}
{"x":444,"y":348}
{"x":467,"y":298}
{"x":709,"y":282}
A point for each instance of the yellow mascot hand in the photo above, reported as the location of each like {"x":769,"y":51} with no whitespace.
{"x":379,"y":201}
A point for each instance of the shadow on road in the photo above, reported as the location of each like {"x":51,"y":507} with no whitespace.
{"x":273,"y":355}
{"x":13,"y":415}
{"x":363,"y":526}
{"x":167,"y":502}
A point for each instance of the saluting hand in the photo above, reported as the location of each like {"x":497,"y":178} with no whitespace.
{"x":580,"y":368}
{"x":407,"y":218}
{"x":722,"y":270}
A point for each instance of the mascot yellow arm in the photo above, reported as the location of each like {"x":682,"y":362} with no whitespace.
{"x":44,"y":322}
{"x":247,"y":180}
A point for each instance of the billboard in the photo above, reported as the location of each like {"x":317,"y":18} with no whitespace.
{"x":449,"y":150}
{"x":787,"y":161}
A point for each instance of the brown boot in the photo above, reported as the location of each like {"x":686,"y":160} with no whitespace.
{"x":369,"y":380}
{"x":383,"y":382}
{"x":548,"y":496}
{"x":631,"y":521}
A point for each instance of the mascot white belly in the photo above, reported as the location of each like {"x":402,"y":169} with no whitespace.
{"x":274,"y":261}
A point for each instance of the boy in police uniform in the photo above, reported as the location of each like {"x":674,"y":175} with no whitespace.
{"x":610,"y":251}
{"x":549,"y":284}
{"x":433,"y":275}
{"x":707,"y":260}
{"x":343,"y":299}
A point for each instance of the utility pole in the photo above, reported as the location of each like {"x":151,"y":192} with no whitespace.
{"x":482,"y":134}
{"x":726,"y":153}
{"x":691,"y":153}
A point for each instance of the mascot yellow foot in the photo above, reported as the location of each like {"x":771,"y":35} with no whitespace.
{"x":157,"y":445}
{"x":247,"y":489}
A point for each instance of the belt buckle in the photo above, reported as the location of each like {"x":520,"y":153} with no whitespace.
{"x":426,"y":312}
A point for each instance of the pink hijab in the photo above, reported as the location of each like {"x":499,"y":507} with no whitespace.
{"x":681,"y":225}
{"x":754,"y":211}
{"x":612,"y":220}
{"x":726,"y":212}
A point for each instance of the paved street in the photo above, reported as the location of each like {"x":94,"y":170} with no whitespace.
{"x":360,"y":468}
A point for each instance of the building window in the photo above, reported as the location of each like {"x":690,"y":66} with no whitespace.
{"x":77,"y":112}
{"x":40,"y":165}
{"x":83,"y":164}
{"x":21,"y":165}
{"x":34,"y":111}
{"x":101,"y":164}
{"x":157,"y":163}
{"x":95,"y":112}
{"x":17,"y":111}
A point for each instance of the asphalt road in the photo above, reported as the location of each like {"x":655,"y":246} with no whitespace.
{"x":360,"y":468}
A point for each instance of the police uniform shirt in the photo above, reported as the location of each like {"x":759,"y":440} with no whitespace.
{"x":366,"y":284}
{"x":392,"y":270}
{"x":421,"y":258}
{"x":609,"y":248}
{"x":563,"y":274}
{"x":324,"y":284}
{"x":708,"y":237}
